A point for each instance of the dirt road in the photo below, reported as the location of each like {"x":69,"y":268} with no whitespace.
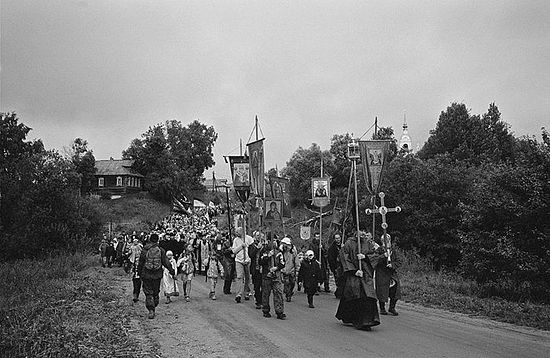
{"x":223,"y":328}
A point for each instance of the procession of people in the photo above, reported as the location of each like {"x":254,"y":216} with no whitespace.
{"x":261,"y":266}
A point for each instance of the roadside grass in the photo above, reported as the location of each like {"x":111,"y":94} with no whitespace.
{"x":424,"y":286}
{"x":447,"y":290}
{"x":58,"y":307}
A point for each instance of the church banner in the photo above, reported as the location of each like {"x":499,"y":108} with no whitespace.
{"x":240,"y":174}
{"x":280,"y":188}
{"x":256,"y":153}
{"x":320,"y":191}
{"x":305,"y":232}
{"x":374,"y":155}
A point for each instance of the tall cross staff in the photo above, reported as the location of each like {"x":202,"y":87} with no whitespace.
{"x":383,"y":210}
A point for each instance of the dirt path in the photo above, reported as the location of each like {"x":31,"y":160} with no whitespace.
{"x":222,"y":328}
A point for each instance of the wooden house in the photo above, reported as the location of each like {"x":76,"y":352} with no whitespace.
{"x":116,"y":177}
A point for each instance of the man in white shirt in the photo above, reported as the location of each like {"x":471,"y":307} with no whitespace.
{"x":242,"y":263}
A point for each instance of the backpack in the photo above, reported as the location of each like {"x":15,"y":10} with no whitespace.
{"x":153,"y":259}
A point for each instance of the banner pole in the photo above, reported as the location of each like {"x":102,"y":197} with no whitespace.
{"x":321,"y":219}
{"x":373,"y":215}
{"x":357,"y":210}
{"x":228,"y":212}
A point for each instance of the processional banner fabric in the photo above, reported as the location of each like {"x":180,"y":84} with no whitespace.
{"x":374,"y":155}
{"x":180,"y":205}
{"x":240,"y":174}
{"x":305,"y":232}
{"x":320,"y":191}
{"x":280,"y":188}
{"x":256,"y":153}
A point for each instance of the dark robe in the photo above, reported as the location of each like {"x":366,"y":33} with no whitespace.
{"x":384,"y":276}
{"x":310,"y":274}
{"x":358,"y":304}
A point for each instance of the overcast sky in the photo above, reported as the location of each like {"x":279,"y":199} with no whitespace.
{"x":106,"y":70}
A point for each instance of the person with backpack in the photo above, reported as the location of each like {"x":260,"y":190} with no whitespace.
{"x":151,"y":261}
{"x":292,"y":267}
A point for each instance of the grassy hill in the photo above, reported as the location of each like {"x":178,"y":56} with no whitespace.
{"x":135,"y":212}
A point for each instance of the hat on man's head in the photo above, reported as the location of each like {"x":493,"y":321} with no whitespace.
{"x":310,"y":254}
{"x":286,"y":241}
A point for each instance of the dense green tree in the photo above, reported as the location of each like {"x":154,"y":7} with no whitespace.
{"x":41,"y":209}
{"x":469,"y":138}
{"x":506,"y":224}
{"x":429,"y":193}
{"x":173,"y":157}
{"x":84,"y":161}
{"x":339,"y":150}
{"x":304,"y":165}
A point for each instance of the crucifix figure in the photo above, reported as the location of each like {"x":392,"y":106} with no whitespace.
{"x":383,"y":210}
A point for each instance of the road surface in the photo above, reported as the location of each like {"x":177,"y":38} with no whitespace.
{"x":223,"y":328}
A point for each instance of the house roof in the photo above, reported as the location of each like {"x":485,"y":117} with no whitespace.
{"x":115,"y":167}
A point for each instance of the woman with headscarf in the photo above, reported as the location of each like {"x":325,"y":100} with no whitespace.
{"x":169,"y":282}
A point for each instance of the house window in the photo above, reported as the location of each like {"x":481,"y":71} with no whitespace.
{"x":118,"y":181}
{"x":100,"y":182}
{"x":139,"y":183}
{"x":133,"y":181}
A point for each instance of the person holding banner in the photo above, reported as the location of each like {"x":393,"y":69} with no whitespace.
{"x":255,"y":272}
{"x":272,"y":262}
{"x":242,"y":263}
{"x":358,"y":304}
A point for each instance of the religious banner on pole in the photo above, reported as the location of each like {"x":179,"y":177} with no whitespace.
{"x":320,"y":191}
{"x":273,"y":209}
{"x":256,"y":154}
{"x":240,"y":174}
{"x":280,"y":188}
{"x":374,"y":157}
{"x":305,"y":232}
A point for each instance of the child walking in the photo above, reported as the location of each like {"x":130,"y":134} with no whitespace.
{"x":213,"y":264}
{"x":169,"y":282}
{"x":186,"y":268}
{"x":310,"y":276}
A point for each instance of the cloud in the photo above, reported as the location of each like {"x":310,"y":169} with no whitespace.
{"x":106,"y":71}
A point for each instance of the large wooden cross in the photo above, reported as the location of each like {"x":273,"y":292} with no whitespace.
{"x":383,"y":210}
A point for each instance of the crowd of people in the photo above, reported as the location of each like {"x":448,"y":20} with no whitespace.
{"x":257,"y":267}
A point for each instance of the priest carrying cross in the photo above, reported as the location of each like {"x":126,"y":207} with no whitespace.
{"x":385,"y":275}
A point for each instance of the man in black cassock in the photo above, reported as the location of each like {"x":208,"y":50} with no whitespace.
{"x":358,"y":304}
{"x":387,"y":280}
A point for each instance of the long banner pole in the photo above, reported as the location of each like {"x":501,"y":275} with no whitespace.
{"x":373,"y":216}
{"x":321,"y":219}
{"x":356,"y":210}
{"x":228,"y":212}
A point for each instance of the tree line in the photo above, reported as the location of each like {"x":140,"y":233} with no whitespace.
{"x":475,"y":199}
{"x":45,"y":204}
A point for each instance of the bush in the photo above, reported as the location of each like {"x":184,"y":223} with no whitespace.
{"x":505,"y":230}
